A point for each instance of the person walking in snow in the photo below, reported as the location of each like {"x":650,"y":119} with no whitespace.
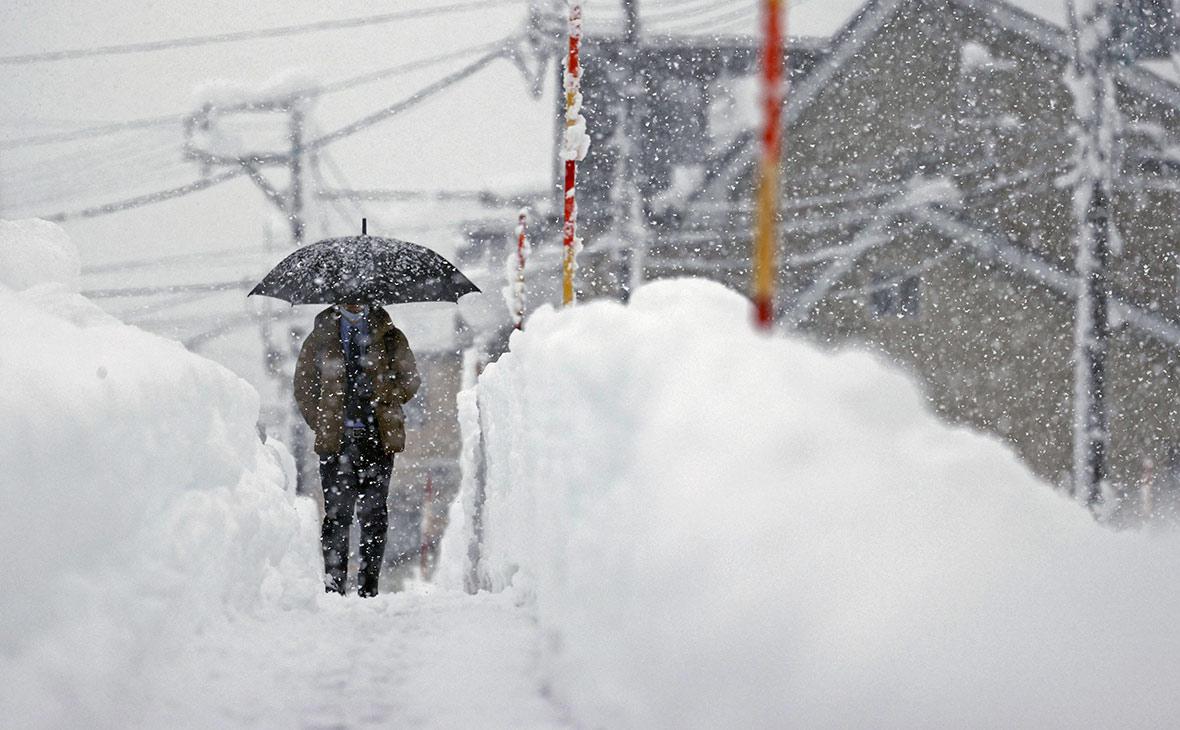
{"x":354,"y":374}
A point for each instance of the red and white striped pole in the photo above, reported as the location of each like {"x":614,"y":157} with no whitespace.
{"x":522,"y":254}
{"x":766,"y":226}
{"x":575,"y":143}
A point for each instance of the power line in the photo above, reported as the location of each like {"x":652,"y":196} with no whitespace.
{"x":148,"y":199}
{"x":71,"y":162}
{"x":147,"y":291}
{"x":325,"y":157}
{"x":136,"y":170}
{"x":38,"y":122}
{"x":407,"y":67}
{"x":312,"y":146}
{"x":679,"y":11}
{"x":193,"y":257}
{"x":81,"y":166}
{"x":144,"y":313}
{"x":484,"y":197}
{"x":224,"y":327}
{"x":419,"y":96}
{"x":95,"y":131}
{"x":102,"y":130}
{"x":725,"y":17}
{"x":191,"y":41}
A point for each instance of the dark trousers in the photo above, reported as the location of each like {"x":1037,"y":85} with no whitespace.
{"x":357,"y":479}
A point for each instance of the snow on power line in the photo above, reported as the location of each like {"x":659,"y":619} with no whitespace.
{"x":313,"y":145}
{"x":247,"y":35}
{"x":110,"y":128}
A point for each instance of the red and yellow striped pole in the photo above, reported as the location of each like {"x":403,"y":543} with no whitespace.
{"x":766,"y":224}
{"x":573,"y":148}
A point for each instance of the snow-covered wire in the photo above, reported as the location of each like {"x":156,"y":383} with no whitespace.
{"x":246,"y":35}
{"x":726,"y":15}
{"x":194,"y":257}
{"x":115,"y":150}
{"x":99,"y":130}
{"x":410,"y":101}
{"x":144,"y":313}
{"x":106,"y":183}
{"x":111,"y":128}
{"x":372,"y":76}
{"x":337,"y":204}
{"x":224,"y":327}
{"x":84,"y":167}
{"x":312,"y":146}
{"x":917,"y":269}
{"x":147,"y":199}
{"x":837,"y":267}
{"x":144,"y":291}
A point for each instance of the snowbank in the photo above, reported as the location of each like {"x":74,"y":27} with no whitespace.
{"x":721,"y":529}
{"x":36,"y":252}
{"x":139,"y":503}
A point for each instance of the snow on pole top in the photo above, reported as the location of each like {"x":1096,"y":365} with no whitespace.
{"x":34,"y":252}
{"x":220,"y":93}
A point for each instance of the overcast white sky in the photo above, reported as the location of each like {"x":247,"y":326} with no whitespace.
{"x":487,"y":129}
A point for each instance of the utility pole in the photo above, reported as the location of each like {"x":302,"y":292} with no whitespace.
{"x":630,"y":248}
{"x":295,"y":162}
{"x":1093,"y":90}
{"x":281,"y":337}
{"x":297,"y":439}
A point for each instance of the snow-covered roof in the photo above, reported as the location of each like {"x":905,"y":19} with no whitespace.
{"x":1047,"y":22}
{"x":805,"y":18}
{"x":1053,"y":11}
{"x":1042,"y":21}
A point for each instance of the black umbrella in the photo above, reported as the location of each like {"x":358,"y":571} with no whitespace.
{"x":364,"y":270}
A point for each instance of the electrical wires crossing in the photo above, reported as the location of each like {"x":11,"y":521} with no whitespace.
{"x":147,"y":199}
{"x":313,"y":145}
{"x":247,"y":35}
{"x":101,"y":130}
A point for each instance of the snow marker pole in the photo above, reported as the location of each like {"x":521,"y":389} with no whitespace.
{"x":574,"y":145}
{"x":522,"y":252}
{"x":427,"y":528}
{"x":766,"y":228}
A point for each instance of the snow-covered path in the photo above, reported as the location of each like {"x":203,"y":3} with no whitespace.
{"x":419,"y":659}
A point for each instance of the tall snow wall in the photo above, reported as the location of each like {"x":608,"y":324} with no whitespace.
{"x":139,"y":504}
{"x":718,"y":528}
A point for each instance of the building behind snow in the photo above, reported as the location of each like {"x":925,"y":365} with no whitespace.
{"x":925,"y":208}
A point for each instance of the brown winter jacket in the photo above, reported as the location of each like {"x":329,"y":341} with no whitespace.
{"x":320,"y":380}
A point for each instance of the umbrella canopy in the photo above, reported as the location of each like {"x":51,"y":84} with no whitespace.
{"x":364,"y":270}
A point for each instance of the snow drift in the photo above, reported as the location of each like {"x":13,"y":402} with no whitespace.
{"x":722,"y":529}
{"x":139,"y":503}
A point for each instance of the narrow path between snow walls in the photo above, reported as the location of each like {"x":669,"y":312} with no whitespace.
{"x":716,"y":528}
{"x":159,"y":571}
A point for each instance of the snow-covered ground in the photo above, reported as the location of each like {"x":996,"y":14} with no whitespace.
{"x":717,"y":528}
{"x":417,"y":659}
{"x":159,"y":571}
{"x":687,"y":524}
